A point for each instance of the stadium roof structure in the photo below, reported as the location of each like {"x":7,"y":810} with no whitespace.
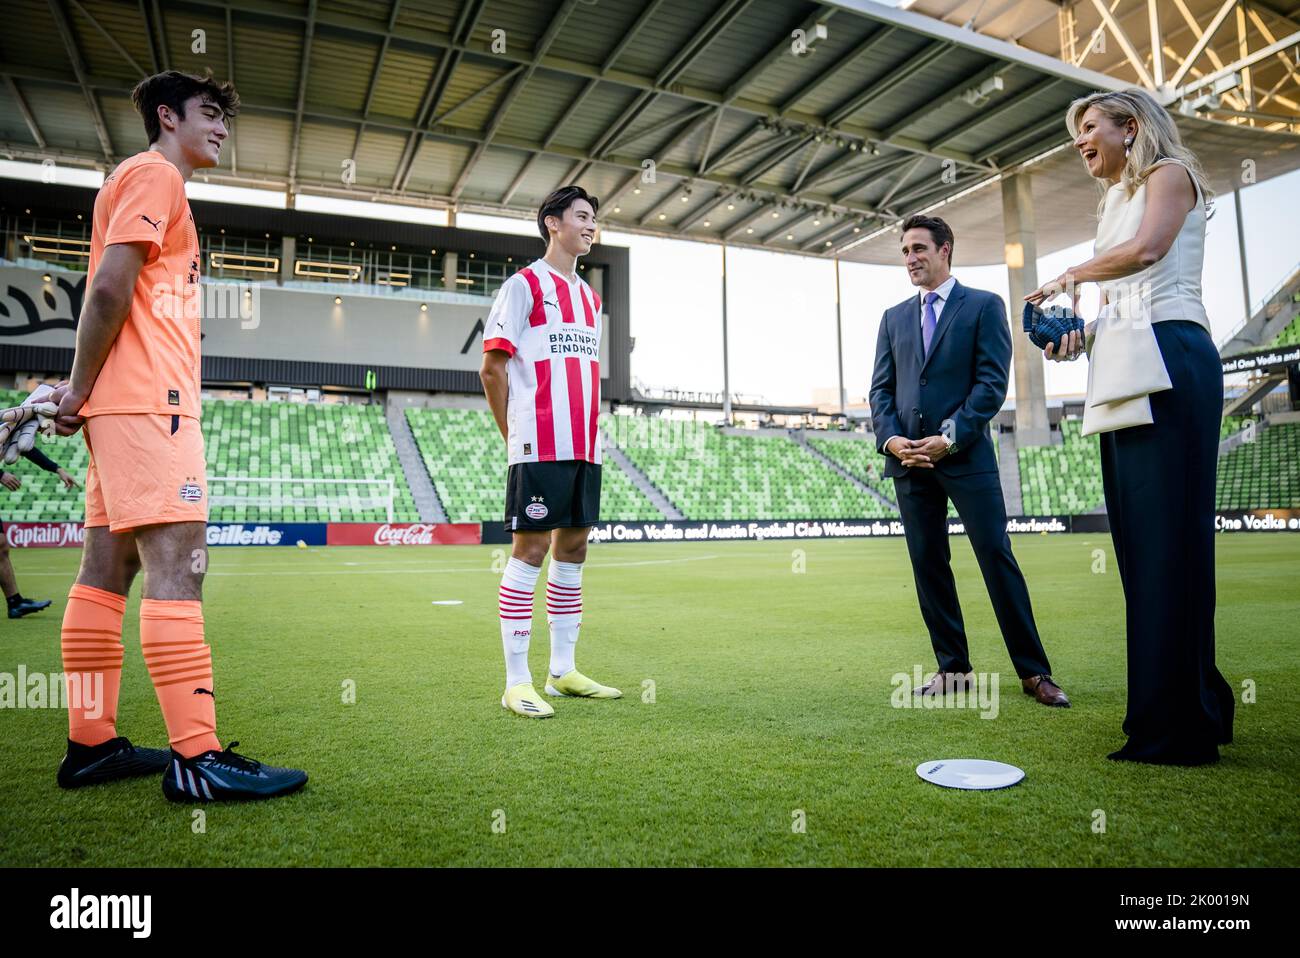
{"x":786,"y":125}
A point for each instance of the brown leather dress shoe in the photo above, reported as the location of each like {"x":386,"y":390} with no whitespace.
{"x":1045,"y":690}
{"x":944,"y":682}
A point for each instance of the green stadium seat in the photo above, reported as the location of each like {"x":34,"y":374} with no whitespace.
{"x":1290,"y":336}
{"x":706,"y":473}
{"x":709,"y":474}
{"x":1264,"y":473}
{"x":465,"y":456}
{"x":1063,"y":479}
{"x":859,"y":457}
{"x":256,"y":439}
{"x":42,"y":497}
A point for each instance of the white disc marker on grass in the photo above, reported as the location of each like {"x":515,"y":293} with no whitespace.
{"x":969,"y":773}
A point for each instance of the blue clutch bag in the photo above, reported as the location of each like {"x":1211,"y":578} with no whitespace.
{"x":1049,"y":325}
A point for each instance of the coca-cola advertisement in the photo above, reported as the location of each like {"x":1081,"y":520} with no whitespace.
{"x":403,"y":534}
{"x":47,"y":535}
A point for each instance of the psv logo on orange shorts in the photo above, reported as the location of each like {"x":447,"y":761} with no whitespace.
{"x":191,"y":492}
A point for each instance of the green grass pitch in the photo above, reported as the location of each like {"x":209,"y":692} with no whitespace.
{"x":772,"y":692}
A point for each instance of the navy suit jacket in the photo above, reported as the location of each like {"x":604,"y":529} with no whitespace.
{"x":963,"y":379}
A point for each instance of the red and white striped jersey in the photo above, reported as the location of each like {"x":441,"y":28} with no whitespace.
{"x":551,"y":329}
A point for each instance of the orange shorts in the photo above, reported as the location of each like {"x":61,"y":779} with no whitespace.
{"x":144,"y":470}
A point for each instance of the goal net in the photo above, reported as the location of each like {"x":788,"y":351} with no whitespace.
{"x":319,"y":500}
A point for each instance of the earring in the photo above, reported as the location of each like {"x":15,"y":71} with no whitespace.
{"x":1128,"y":143}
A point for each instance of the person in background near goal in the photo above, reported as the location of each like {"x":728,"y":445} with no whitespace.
{"x":541,"y":373}
{"x":19,"y":606}
{"x":135,"y":389}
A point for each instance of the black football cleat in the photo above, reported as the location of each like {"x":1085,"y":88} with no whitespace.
{"x":27,"y":607}
{"x":225,"y":776}
{"x":107,"y":762}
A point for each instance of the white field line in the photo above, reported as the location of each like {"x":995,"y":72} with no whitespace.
{"x":427,"y":571}
{"x":406,"y":571}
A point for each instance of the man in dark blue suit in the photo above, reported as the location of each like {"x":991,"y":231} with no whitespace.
{"x":941,"y":375}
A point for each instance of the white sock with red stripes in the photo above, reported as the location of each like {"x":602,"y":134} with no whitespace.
{"x":564,"y":613}
{"x":515,"y":607}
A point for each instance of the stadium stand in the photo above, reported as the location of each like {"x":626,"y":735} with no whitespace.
{"x":1233,"y":424}
{"x":461,"y":448}
{"x":706,"y":473}
{"x":259,"y":440}
{"x":1290,"y":336}
{"x":295,"y":440}
{"x":465,"y":456}
{"x":42,"y":496}
{"x":1064,"y":479}
{"x":1264,"y":473}
{"x":709,"y":474}
{"x":859,"y":457}
{"x":621,"y":500}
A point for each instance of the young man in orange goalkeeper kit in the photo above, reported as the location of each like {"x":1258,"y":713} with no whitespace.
{"x":134,"y":391}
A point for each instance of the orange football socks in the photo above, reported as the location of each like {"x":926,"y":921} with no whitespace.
{"x":180,"y":665}
{"x":92,"y":662}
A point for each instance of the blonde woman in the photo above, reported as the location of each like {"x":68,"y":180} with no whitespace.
{"x":1156,"y":396}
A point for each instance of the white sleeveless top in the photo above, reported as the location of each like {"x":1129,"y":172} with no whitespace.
{"x":1170,"y":288}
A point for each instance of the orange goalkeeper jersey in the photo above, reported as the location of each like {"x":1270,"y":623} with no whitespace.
{"x":153,"y":365}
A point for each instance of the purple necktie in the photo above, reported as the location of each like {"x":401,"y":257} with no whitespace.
{"x":928,"y":321}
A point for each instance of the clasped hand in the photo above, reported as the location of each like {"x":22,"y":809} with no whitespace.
{"x":918,"y":453}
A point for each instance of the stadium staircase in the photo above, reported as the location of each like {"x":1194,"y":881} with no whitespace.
{"x":856,"y":454}
{"x":798,"y":436}
{"x":427,"y":503}
{"x":1276,"y":323}
{"x":1009,"y":472}
{"x":1269,"y":321}
{"x":464,"y":456}
{"x":733,"y":474}
{"x":1236,"y":430}
{"x":610,"y":451}
{"x":1259,"y":386}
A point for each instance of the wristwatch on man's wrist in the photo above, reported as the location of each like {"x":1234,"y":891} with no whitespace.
{"x":950,"y":442}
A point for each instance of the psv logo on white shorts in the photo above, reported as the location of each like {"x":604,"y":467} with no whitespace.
{"x":191,"y":492}
{"x":536,"y":511}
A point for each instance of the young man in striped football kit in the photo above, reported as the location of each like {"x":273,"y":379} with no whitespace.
{"x":541,"y":373}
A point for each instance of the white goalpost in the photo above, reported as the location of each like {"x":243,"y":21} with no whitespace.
{"x":274,"y":493}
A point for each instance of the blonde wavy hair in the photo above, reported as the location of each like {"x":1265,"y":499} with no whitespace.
{"x":1157,"y":137}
